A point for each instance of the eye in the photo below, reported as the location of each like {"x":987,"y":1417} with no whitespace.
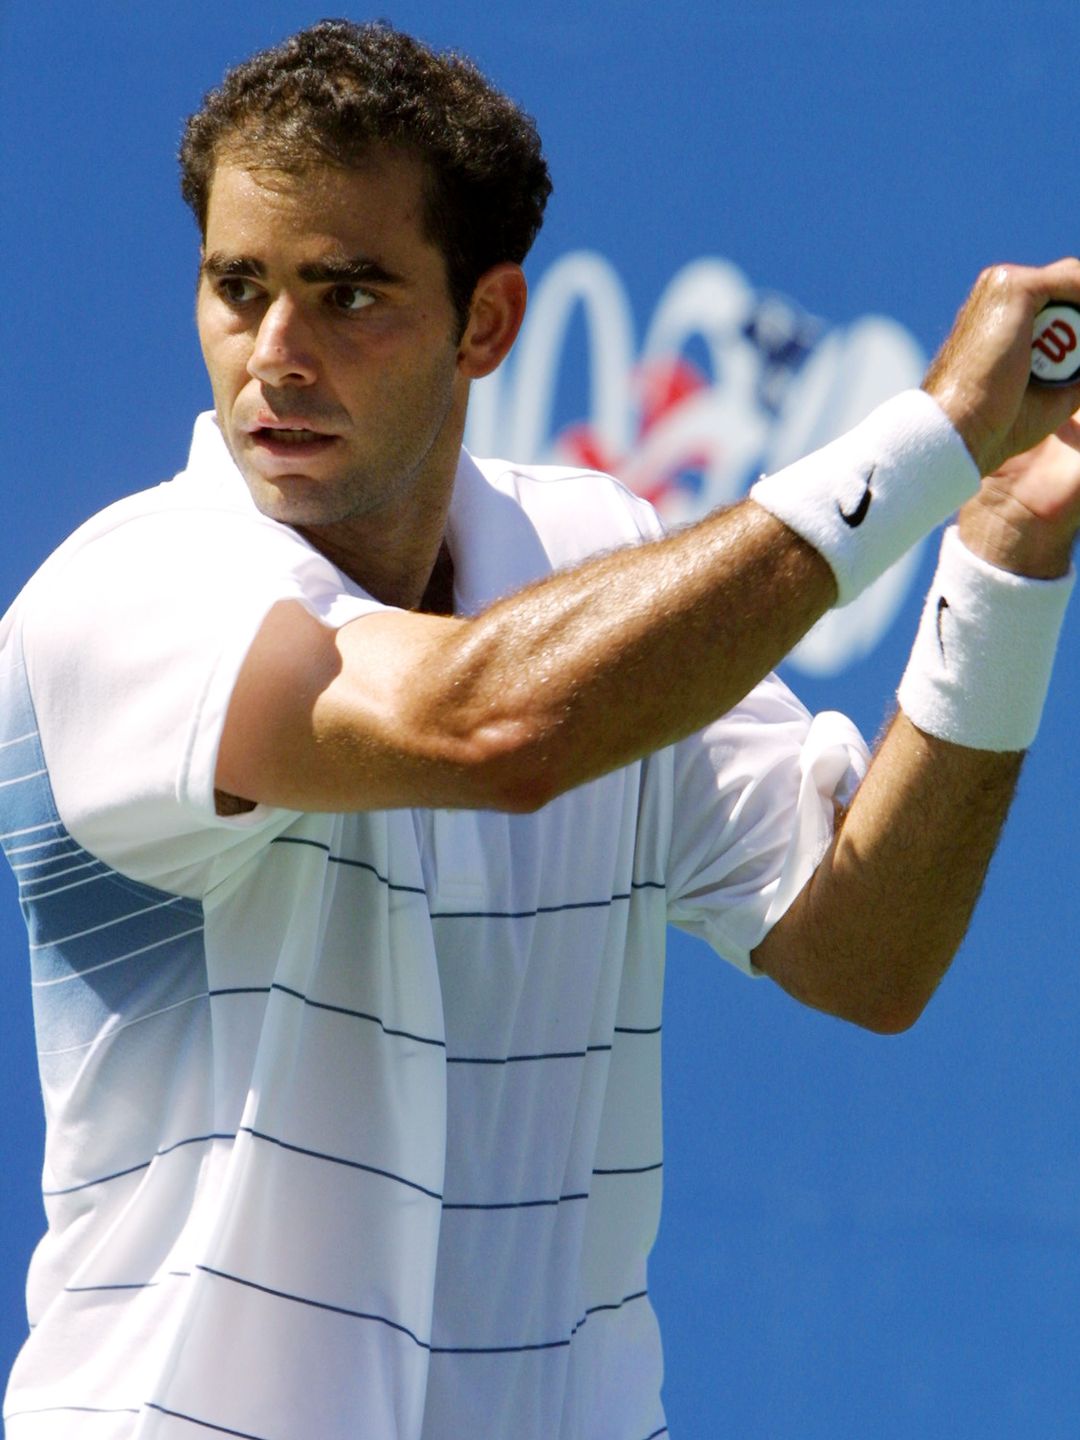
{"x":350,"y":298}
{"x":237,"y":290}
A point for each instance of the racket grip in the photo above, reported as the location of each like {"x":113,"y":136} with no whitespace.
{"x":1055,"y":345}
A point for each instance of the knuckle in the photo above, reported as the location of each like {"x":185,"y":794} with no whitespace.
{"x":999,"y":280}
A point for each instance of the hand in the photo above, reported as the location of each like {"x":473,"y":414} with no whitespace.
{"x":1027,"y":514}
{"x":980,"y":376}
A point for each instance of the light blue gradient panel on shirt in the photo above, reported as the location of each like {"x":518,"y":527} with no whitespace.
{"x":112,"y":960}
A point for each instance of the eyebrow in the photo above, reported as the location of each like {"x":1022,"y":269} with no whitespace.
{"x":332,"y":270}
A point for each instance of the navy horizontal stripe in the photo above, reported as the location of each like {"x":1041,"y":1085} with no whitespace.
{"x":344,"y":860}
{"x":425,"y":1039}
{"x":257,"y":1135}
{"x":96,"y":1289}
{"x":361,"y":1015}
{"x":638,"y":1030}
{"x":517,"y":1059}
{"x":469,"y":914}
{"x":422,"y":1039}
{"x":548,"y":909}
{"x":143,"y":1164}
{"x":502,"y":1349}
{"x":596,"y":1309}
{"x":513,"y":1204}
{"x":134,"y":1285}
{"x":98,"y":1180}
{"x":333,"y":1009}
{"x":205,"y":1424}
{"x":411,"y":1335}
{"x":662,"y":1431}
{"x":349,"y":1164}
{"x":542,"y":1345}
{"x":316,"y":1304}
{"x":340,"y":1160}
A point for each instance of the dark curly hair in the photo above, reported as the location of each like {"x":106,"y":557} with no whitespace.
{"x":328,"y":93}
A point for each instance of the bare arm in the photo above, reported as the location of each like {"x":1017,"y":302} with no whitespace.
{"x":571,"y":678}
{"x":592,"y":669}
{"x":872,"y":933}
{"x":874,"y":930}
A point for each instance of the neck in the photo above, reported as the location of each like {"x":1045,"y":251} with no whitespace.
{"x":397,"y":555}
{"x":439,"y":593}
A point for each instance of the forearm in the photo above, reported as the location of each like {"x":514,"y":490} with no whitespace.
{"x":874,"y":930}
{"x":877,"y":925}
{"x":594,"y":668}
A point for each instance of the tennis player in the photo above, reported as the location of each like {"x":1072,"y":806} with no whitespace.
{"x":352,"y":781}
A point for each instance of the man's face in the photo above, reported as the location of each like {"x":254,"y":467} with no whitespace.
{"x":329,"y":335}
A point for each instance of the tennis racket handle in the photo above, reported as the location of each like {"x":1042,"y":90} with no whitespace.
{"x":1055,"y":345}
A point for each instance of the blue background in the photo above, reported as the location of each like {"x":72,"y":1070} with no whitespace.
{"x":861,"y":1237}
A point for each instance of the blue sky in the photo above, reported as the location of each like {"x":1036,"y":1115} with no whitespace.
{"x":861,"y":1237}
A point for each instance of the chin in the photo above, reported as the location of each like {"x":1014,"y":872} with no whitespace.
{"x":274,"y":499}
{"x":288,"y":504}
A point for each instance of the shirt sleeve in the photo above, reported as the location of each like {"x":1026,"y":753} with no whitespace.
{"x":133,"y":641}
{"x":754,"y":806}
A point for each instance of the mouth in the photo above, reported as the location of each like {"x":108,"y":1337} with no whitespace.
{"x":290,"y":440}
{"x":288,"y":436}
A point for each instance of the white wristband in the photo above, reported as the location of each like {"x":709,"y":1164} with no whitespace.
{"x":980,"y":666}
{"x":863,"y":500}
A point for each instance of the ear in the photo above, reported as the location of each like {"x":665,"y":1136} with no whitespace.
{"x":496,"y":311}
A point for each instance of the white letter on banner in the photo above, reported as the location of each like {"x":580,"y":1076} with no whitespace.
{"x":724,"y":427}
{"x":522,"y":429}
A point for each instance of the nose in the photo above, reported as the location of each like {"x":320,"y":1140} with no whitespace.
{"x":283,"y":353}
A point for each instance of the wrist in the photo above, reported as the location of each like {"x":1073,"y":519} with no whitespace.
{"x":980,"y":666}
{"x":864,"y":499}
{"x":962,"y":412}
{"x":1001,"y":530}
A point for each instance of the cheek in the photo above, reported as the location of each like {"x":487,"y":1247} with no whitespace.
{"x":225,"y":356}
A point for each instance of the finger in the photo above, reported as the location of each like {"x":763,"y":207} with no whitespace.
{"x":1058,"y":281}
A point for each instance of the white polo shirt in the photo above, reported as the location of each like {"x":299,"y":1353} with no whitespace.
{"x":353,"y":1120}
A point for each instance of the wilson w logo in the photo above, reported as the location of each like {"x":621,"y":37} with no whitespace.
{"x":1056,"y":341}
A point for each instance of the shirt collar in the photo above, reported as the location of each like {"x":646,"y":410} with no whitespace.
{"x":495,"y":547}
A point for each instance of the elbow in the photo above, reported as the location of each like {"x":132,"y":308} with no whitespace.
{"x":509,"y":768}
{"x":891,"y":1010}
{"x":881,"y":1001}
{"x":891,"y":1016}
{"x":880,"y":986}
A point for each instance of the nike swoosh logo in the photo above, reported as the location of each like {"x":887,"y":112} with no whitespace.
{"x":854,"y":518}
{"x":942,"y":606}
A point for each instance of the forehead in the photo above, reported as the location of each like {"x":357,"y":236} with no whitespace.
{"x":375,"y":207}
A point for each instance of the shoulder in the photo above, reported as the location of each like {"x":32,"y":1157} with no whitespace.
{"x":189,"y":557}
{"x":197,"y":532}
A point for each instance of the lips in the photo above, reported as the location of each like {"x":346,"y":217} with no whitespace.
{"x":288,"y":435}
{"x":286,"y":445}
